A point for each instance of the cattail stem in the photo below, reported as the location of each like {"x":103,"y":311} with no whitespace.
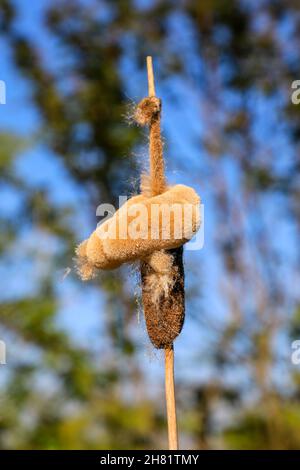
{"x":151,"y":85}
{"x":158,"y":185}
{"x":157,"y":167}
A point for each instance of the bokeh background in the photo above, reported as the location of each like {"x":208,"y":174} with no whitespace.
{"x":80,"y":372}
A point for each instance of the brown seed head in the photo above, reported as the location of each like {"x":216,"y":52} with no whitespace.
{"x":147,"y":110}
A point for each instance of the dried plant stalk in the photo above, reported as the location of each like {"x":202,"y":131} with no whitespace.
{"x":170,"y":398}
{"x":162,"y":272}
{"x":164,"y":314}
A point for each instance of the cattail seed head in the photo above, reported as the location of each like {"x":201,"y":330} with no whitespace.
{"x":147,"y":110}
